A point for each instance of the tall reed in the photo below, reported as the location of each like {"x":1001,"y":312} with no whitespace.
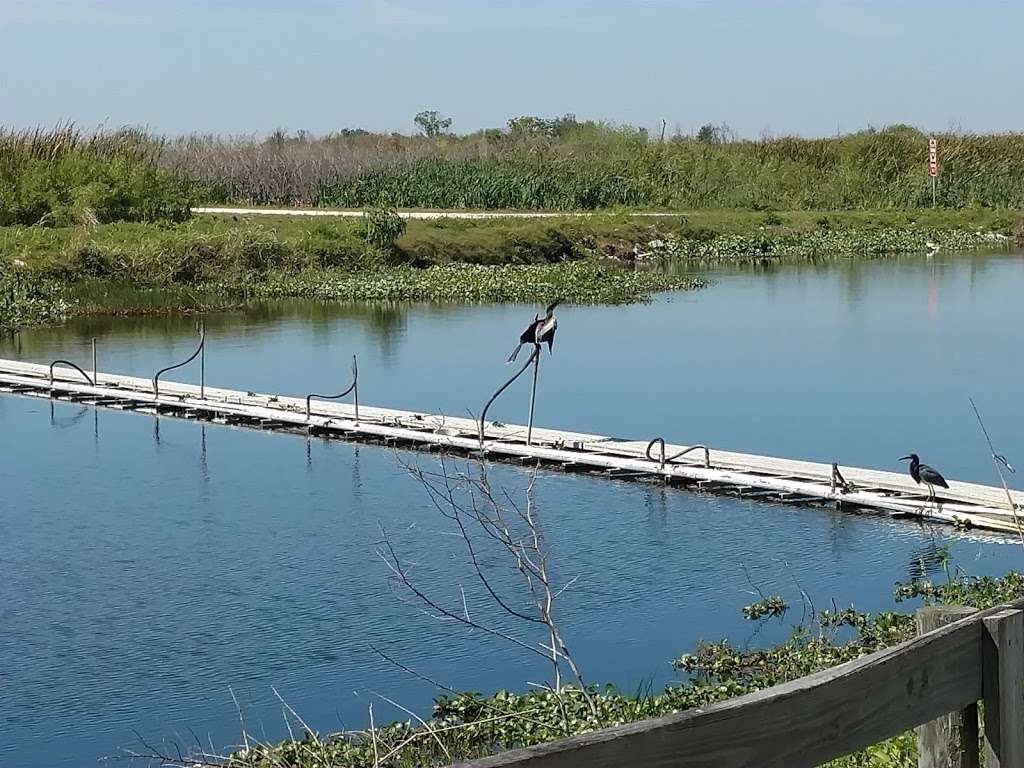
{"x":64,"y":176}
{"x":591,"y":166}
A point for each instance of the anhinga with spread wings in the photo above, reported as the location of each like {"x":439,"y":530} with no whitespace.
{"x":540,"y":331}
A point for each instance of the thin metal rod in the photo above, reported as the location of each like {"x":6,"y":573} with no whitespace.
{"x":355,"y":385}
{"x":199,"y":349}
{"x":998,"y":459}
{"x":95,"y":375}
{"x":69,"y":364}
{"x":533,"y":399}
{"x":503,"y":387}
{"x":353,"y":388}
{"x":202,"y":365}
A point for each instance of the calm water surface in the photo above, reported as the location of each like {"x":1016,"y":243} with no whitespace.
{"x":148,"y":569}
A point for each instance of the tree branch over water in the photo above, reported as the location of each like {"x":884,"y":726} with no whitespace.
{"x":512,"y":529}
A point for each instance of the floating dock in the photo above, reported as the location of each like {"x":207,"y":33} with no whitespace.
{"x":698,"y":467}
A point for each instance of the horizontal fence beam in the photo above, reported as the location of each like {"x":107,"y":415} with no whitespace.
{"x":802,"y":723}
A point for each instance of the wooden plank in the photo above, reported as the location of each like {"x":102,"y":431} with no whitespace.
{"x":950,"y":741}
{"x":1003,"y":670}
{"x":798,"y":724}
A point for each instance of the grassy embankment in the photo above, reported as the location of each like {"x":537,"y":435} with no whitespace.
{"x":471,"y":725}
{"x":216,"y":261}
{"x":101,"y":223}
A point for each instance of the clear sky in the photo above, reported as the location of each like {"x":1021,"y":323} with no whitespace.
{"x":782,"y":66}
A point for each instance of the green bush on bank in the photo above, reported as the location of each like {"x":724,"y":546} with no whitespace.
{"x":63,"y":177}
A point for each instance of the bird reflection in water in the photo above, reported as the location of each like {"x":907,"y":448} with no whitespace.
{"x":67,"y":421}
{"x":70,"y":421}
{"x":656,"y":501}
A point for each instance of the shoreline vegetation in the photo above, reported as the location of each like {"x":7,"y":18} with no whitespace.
{"x":465,"y":726}
{"x":48,"y":274}
{"x":101,"y":223}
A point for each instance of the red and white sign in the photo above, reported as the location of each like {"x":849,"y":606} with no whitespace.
{"x":933,"y":157}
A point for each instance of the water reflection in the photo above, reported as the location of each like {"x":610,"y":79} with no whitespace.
{"x":931,"y":559}
{"x":204,"y":465}
{"x":67,"y":421}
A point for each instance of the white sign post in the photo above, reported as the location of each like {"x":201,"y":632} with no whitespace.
{"x":933,"y":164}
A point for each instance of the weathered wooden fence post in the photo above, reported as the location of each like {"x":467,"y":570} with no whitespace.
{"x":950,"y":741}
{"x":1003,"y":686}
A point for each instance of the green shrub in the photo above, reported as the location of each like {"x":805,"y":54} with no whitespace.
{"x":63,"y":177}
{"x":382,"y":227}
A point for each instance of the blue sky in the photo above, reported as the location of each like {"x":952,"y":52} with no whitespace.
{"x":777,"y":66}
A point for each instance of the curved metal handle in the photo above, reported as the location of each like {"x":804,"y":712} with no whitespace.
{"x":354,"y":388}
{"x":663,"y":459}
{"x":202,"y":385}
{"x":69,"y":364}
{"x":506,"y":385}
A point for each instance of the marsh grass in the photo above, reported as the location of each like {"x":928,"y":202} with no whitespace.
{"x":590,"y":166}
{"x":65,"y":176}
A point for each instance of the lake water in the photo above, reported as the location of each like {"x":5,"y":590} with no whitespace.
{"x":149,"y":569}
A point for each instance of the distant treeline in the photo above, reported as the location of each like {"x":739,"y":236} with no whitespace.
{"x":559,"y":164}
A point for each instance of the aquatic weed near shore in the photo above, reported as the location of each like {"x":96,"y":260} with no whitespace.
{"x":580,"y":282}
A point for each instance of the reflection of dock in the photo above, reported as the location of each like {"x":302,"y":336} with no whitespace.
{"x":789,"y":481}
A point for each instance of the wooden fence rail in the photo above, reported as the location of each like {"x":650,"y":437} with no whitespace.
{"x":933,"y":681}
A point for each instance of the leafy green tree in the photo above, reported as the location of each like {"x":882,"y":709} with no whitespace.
{"x":432,"y":123}
{"x":707,"y":134}
{"x":529,"y":125}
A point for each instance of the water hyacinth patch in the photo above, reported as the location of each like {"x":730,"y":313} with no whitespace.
{"x":581,"y":282}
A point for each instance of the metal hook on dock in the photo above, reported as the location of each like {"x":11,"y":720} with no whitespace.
{"x":200,"y":350}
{"x":838,"y":481}
{"x":663,"y":459}
{"x":69,"y":364}
{"x":535,"y":356}
{"x":354,"y":389}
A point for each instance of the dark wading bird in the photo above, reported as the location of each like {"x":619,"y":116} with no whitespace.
{"x":922,"y":473}
{"x":540,"y":331}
